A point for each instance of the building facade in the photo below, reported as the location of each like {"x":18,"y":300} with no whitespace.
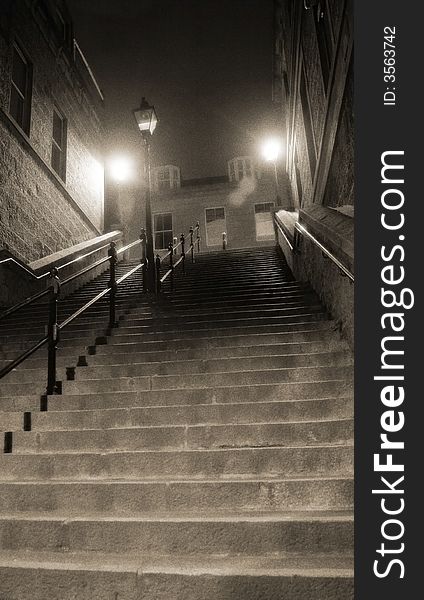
{"x":51,"y":133}
{"x":313,"y":89}
{"x":238,"y":209}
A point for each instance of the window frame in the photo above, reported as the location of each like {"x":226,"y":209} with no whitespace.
{"x":63,"y":150}
{"x":271,"y":204}
{"x":215,"y":208}
{"x":26,"y":98}
{"x":162,"y":231}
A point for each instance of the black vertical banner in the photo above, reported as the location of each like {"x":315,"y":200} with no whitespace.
{"x":389,"y":251}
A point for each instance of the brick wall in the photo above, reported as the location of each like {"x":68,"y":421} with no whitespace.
{"x":39,"y":213}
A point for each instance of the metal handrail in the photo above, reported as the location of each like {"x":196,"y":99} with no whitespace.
{"x":53,"y":291}
{"x":303,"y":231}
{"x":283,"y":233}
{"x":54,"y":328}
{"x":59,"y":267}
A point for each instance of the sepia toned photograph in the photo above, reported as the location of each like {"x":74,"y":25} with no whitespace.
{"x":176,"y":300}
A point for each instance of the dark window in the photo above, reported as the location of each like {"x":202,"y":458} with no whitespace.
{"x":163,"y":231}
{"x":214,"y":214}
{"x":59,"y":144}
{"x":264,"y":207}
{"x":325,"y":44}
{"x":307,"y":119}
{"x":20,"y":91}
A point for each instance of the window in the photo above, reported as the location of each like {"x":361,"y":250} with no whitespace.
{"x":59,"y":144}
{"x":215,"y":225}
{"x":163,"y":231}
{"x":263,"y":221}
{"x":20,"y":91}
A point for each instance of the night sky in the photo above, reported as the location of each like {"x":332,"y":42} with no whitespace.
{"x":206,"y":65}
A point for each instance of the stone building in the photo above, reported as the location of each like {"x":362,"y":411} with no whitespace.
{"x":313,"y":87}
{"x":51,"y":165}
{"x":240,"y":206}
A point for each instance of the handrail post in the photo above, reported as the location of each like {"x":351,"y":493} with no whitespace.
{"x":157,"y":264}
{"x":113,"y":259}
{"x":182,"y":239}
{"x":171,"y":264}
{"x":198,"y":236}
{"x":175,"y":242}
{"x":192,"y":244}
{"x":53,"y":331}
{"x":144,"y":258}
{"x":224,"y":240}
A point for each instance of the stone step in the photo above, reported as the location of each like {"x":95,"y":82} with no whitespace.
{"x":118,"y":399}
{"x":177,"y":437}
{"x":244,"y":412}
{"x":291,"y":325}
{"x":188,"y":497}
{"x":156,"y":535}
{"x":60,"y":576}
{"x":169,"y":313}
{"x":311,"y":462}
{"x":120,"y":356}
{"x":190,"y":367}
{"x":320,"y":331}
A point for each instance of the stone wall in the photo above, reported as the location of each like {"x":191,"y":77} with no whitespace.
{"x":39,"y":213}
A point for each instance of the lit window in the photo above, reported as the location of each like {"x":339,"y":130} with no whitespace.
{"x":163,"y":230}
{"x":20,"y":92}
{"x":59,"y":144}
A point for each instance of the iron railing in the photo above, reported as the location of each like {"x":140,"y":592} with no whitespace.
{"x":194,"y":235}
{"x":300,"y":230}
{"x":55,"y":284}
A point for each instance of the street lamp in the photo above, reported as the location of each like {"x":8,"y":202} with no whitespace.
{"x":146,"y":120}
{"x":271,"y":151}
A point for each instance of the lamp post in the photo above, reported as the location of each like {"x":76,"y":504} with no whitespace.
{"x":146,"y":120}
{"x":271,"y":151}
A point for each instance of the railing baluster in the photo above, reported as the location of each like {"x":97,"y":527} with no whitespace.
{"x":113,"y":259}
{"x":144,"y":258}
{"x":53,"y":332}
{"x":191,"y":244}
{"x":198,"y":236}
{"x":182,"y":239}
{"x":158,"y":284}
{"x":224,"y":240}
{"x":171,"y":264}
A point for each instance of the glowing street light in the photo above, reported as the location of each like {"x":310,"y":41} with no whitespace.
{"x":271,"y":151}
{"x":120,"y":168}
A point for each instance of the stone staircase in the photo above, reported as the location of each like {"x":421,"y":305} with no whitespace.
{"x":201,"y":450}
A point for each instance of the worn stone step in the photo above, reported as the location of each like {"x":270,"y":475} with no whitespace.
{"x":301,"y":433}
{"x":320,"y":331}
{"x":186,"y":497}
{"x":332,"y":388}
{"x":245,"y":412}
{"x":156,"y":535}
{"x":40,"y":575}
{"x":311,"y":461}
{"x":194,"y":366}
{"x":311,"y":322}
{"x":170,"y":318}
{"x":257,"y":351}
{"x":118,"y":399}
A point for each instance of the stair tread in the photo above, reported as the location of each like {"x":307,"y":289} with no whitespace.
{"x":323,"y":565}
